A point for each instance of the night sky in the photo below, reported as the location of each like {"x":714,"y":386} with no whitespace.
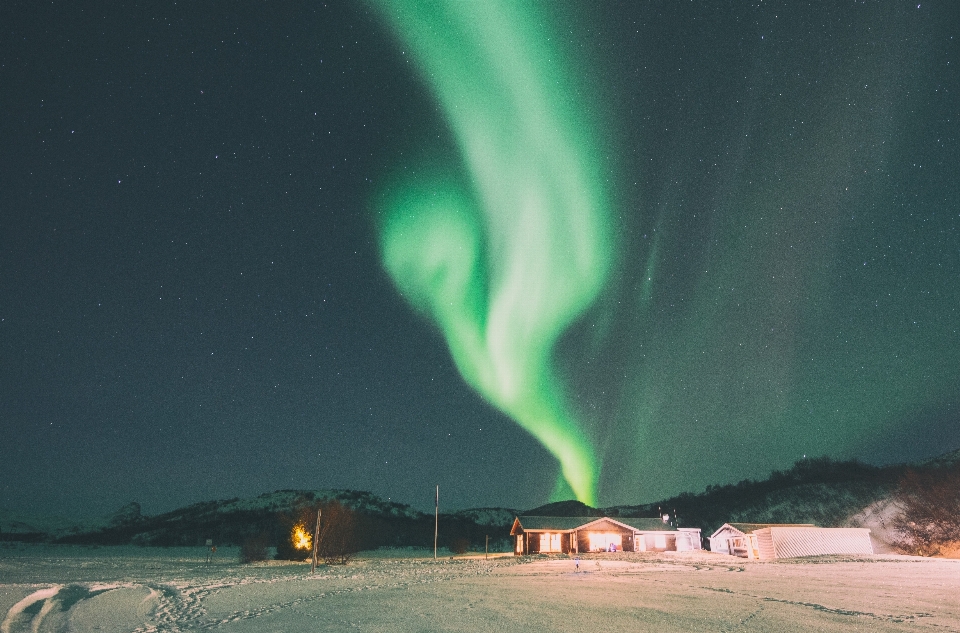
{"x":616,"y":250}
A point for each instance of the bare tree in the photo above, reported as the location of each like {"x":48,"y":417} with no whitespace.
{"x":929,"y":510}
{"x":338,"y":540}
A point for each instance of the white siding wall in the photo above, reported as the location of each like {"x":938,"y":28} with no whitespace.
{"x":721,"y":541}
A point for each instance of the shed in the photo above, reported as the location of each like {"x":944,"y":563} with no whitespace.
{"x":766,"y":541}
{"x":572,"y":535}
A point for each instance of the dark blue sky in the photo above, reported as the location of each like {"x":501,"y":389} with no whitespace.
{"x":192,"y":304}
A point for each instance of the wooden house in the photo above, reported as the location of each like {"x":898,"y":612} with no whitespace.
{"x":574,"y":535}
{"x":766,"y":541}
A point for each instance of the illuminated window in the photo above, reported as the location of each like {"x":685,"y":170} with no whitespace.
{"x":550,"y":542}
{"x":601,"y":541}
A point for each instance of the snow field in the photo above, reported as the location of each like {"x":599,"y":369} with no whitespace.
{"x":59,"y":589}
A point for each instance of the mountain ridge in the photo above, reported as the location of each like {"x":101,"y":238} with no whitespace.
{"x":820,"y":491}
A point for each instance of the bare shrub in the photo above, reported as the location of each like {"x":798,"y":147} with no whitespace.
{"x":928,"y":520}
{"x":459,"y":545}
{"x":254,"y":549}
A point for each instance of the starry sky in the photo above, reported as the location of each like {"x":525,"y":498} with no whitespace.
{"x":735,"y":228}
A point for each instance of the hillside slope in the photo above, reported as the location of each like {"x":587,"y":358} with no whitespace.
{"x":819,"y":491}
{"x":231,"y":521}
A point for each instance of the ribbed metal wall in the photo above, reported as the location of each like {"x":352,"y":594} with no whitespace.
{"x":788,"y":542}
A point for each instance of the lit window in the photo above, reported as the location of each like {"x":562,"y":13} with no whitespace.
{"x":601,"y":541}
{"x":550,"y":542}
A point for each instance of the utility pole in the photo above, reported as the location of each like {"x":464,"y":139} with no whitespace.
{"x":316,"y":539}
{"x":436,"y":522}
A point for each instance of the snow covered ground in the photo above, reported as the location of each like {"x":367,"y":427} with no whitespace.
{"x":114,"y":589}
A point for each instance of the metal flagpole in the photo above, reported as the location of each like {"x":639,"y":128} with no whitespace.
{"x":436,"y":522}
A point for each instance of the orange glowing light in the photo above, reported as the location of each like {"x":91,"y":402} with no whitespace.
{"x":301,"y":538}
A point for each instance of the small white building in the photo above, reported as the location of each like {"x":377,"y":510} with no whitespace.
{"x":766,"y":541}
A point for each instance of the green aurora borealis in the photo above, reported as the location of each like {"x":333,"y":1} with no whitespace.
{"x":504,"y":264}
{"x":785,"y":284}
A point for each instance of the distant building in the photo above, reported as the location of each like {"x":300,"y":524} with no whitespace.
{"x":575,"y":535}
{"x":766,"y":541}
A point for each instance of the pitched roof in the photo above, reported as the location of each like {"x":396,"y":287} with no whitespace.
{"x":537,"y":523}
{"x":648,"y":525}
{"x":553,"y":523}
{"x":747,"y":528}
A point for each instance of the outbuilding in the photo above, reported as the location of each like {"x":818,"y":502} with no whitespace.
{"x":575,"y":535}
{"x":766,"y":541}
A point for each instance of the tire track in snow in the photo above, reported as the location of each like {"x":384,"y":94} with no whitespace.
{"x":16,"y":615}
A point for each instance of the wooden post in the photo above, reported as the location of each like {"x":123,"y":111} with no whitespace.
{"x":486,"y":548}
{"x":436,"y":522}
{"x":316,"y":539}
